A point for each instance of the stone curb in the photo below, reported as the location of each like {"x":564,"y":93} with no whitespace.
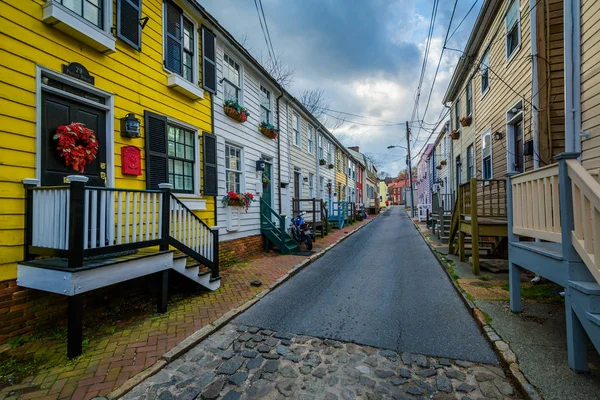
{"x":502,"y":349}
{"x":209,"y":329}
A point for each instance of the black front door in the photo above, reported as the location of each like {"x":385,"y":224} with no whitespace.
{"x":518,"y":150}
{"x":57,"y":111}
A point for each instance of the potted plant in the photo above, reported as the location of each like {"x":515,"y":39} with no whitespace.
{"x":268,"y":130}
{"x":454,"y":134}
{"x":233,"y":199}
{"x":331,"y":166}
{"x":235,"y":111}
{"x":466,"y":120}
{"x":443,"y":163}
{"x":322,"y":161}
{"x":265,"y":180}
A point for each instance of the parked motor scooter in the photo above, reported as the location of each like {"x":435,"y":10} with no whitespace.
{"x":301,"y":231}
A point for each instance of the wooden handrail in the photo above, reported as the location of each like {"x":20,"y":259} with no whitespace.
{"x":536,"y":204}
{"x":586,"y":216}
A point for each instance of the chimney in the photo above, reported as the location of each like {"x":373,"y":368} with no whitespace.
{"x":355,"y":148}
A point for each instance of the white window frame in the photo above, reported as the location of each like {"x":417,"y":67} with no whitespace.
{"x":340,"y":161}
{"x":311,"y":139}
{"x":469,"y":99}
{"x":515,"y":25}
{"x":457,"y":114}
{"x":240,"y":84}
{"x":329,"y":155}
{"x":321,"y":187}
{"x":320,"y":149}
{"x":472,"y":158}
{"x":67,"y":21}
{"x":265,"y":94}
{"x":297,"y":128}
{"x":485,"y":71}
{"x":511,"y":120}
{"x":241,"y":171}
{"x":311,"y":185}
{"x":485,"y":134}
{"x":196,"y":167}
{"x":175,"y":80}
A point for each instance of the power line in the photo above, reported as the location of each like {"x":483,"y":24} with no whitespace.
{"x":268,"y":32}
{"x":437,"y":68}
{"x":263,"y":31}
{"x":464,"y":18}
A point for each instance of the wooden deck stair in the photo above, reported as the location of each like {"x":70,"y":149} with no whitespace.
{"x":272,"y":226}
{"x":480,"y":212}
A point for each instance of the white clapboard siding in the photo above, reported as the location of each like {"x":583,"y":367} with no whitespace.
{"x":255,"y":145}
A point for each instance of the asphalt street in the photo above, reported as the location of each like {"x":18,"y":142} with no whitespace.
{"x":381,"y":287}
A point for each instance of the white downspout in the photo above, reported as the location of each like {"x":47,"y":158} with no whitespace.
{"x":535,"y":100}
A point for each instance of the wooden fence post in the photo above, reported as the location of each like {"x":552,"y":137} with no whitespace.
{"x":474,"y":227}
{"x":166,"y":215}
{"x":514,"y":273}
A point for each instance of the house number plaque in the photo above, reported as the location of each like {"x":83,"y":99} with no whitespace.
{"x":78,"y":71}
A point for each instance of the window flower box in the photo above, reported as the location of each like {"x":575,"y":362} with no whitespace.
{"x":233,"y":199}
{"x":322,"y":161}
{"x":454,"y":134}
{"x":466,"y":120}
{"x":443,"y":163}
{"x":235,"y":111}
{"x":331,"y":166}
{"x":268,"y":130}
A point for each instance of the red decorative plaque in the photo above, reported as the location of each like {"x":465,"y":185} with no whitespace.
{"x":131,"y":161}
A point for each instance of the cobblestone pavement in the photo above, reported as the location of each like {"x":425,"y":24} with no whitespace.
{"x":240,"y":362}
{"x":116,"y":353}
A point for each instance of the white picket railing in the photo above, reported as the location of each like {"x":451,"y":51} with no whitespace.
{"x":50,"y":218}
{"x":188,"y":229}
{"x":586,"y":216}
{"x":121,"y":216}
{"x":536,"y":204}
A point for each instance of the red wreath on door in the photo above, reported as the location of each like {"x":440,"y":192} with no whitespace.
{"x":76,"y":144}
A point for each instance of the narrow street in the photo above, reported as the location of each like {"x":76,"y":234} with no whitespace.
{"x":374,"y":318}
{"x":382,"y":287}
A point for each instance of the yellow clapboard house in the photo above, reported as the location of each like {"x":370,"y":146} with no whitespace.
{"x":133,"y":72}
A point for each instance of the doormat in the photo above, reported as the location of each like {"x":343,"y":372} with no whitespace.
{"x":305,"y":253}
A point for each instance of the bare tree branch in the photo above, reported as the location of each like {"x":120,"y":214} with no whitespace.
{"x":314,"y":101}
{"x":282,"y":72}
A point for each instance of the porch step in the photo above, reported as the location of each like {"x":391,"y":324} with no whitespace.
{"x":546,"y":249}
{"x":288,"y":246}
{"x":594,"y":318}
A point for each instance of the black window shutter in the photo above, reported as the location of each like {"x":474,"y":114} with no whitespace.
{"x":129,"y":13}
{"x":209,"y":66}
{"x":210,"y":164}
{"x":157,"y":169}
{"x":174,"y":34}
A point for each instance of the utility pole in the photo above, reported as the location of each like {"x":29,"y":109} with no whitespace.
{"x":410,"y":181}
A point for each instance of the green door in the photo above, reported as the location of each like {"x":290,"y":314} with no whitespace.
{"x":267,"y":184}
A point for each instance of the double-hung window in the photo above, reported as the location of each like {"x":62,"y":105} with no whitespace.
{"x":322,"y":187}
{"x":340,"y":162}
{"x":470,"y":162}
{"x":297,"y":129}
{"x":329,"y":155}
{"x":486,"y":155}
{"x":233,"y":168}
{"x":181,"y":152}
{"x":320,"y":146}
{"x":311,"y":139}
{"x":469,"y":98}
{"x":311,"y":186}
{"x":231,"y":79}
{"x":513,"y":31}
{"x":457,"y":114}
{"x":484,"y":71}
{"x":180,"y":43}
{"x":265,"y":105}
{"x":90,"y":10}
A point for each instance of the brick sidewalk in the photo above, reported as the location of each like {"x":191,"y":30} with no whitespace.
{"x":112,"y":358}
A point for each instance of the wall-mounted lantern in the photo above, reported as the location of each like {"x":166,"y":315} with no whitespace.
{"x":305,"y":179}
{"x":130,"y":126}
{"x":260,"y":165}
{"x":497,"y":136}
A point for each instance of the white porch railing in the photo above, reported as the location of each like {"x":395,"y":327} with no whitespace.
{"x":188,"y":229}
{"x":536,"y":204}
{"x":50,"y":217}
{"x":586,"y":215}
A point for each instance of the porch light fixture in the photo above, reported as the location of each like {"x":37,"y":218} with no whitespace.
{"x":130,"y":126}
{"x":497,"y":136}
{"x":260,"y":165}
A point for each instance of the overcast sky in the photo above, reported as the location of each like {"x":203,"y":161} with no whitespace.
{"x":366,"y":56}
